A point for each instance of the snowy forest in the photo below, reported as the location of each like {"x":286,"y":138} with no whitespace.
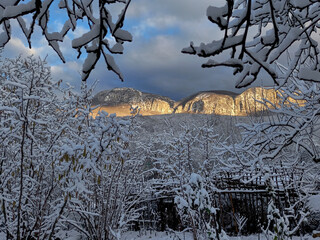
{"x":67,"y":175}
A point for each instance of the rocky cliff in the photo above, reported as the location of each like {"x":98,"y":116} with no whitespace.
{"x":120,"y":100}
{"x":227,"y":103}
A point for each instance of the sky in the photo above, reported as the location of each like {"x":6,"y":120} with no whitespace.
{"x":153,"y":62}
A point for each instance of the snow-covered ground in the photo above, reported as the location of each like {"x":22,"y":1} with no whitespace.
{"x":152,"y":235}
{"x":314,"y":203}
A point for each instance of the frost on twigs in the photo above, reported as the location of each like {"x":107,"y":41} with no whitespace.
{"x":95,"y":13}
{"x":62,"y":171}
{"x":260,"y":34}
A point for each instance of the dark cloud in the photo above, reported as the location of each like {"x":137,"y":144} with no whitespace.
{"x":153,"y":62}
{"x":184,"y":10}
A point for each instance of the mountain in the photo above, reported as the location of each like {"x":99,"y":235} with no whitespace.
{"x":120,"y":100}
{"x":227,"y":103}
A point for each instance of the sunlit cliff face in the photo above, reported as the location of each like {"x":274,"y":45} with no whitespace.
{"x":228,"y":104}
{"x":120,"y":100}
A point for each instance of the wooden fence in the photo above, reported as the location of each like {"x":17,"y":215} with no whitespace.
{"x":240,"y":192}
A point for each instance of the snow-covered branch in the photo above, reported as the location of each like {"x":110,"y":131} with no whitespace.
{"x":280,"y":26}
{"x":95,"y":41}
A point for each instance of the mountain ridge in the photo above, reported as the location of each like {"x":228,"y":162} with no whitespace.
{"x":220,"y":102}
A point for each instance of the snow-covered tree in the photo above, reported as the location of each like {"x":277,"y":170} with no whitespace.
{"x":257,"y":35}
{"x":289,"y":134}
{"x":177,"y":153}
{"x":108,"y":181}
{"x":182,"y":159}
{"x":100,"y":21}
{"x":279,"y":39}
{"x":61,"y":171}
{"x":29,"y":133}
{"x":287,"y":141}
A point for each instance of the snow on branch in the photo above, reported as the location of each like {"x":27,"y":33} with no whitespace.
{"x":259,"y":33}
{"x":94,"y":41}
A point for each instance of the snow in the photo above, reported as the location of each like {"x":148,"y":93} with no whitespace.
{"x":309,"y":75}
{"x":215,"y":14}
{"x":214,"y":47}
{"x":67,"y":235}
{"x":112,"y":64}
{"x":269,"y":38}
{"x":195,"y":179}
{"x":54,"y":36}
{"x":154,"y":235}
{"x":14,"y":11}
{"x":300,"y":3}
{"x":23,"y":26}
{"x":277,"y":32}
{"x":229,"y":63}
{"x":74,"y":11}
{"x":314,"y":203}
{"x":123,"y":35}
{"x":55,"y":45}
{"x":147,"y":235}
{"x":90,"y":62}
{"x":117,"y":48}
{"x":5,"y":36}
{"x":86,"y":37}
{"x":193,"y":193}
{"x":62,"y":4}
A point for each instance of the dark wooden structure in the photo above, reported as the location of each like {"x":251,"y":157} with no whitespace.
{"x":247,"y":194}
{"x":239,"y":192}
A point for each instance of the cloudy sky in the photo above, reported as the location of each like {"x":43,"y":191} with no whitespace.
{"x":153,"y":62}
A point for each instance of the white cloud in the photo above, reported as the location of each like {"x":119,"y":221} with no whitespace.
{"x":16,"y":47}
{"x":69,"y":72}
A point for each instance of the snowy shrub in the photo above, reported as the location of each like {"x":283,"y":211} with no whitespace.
{"x":195,"y":207}
{"x":278,"y":223}
{"x":314,"y":208}
{"x":61,"y":170}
